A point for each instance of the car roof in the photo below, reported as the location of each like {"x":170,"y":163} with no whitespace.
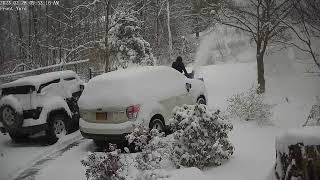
{"x":37,"y":80}
{"x":134,"y":73}
{"x":137,"y":85}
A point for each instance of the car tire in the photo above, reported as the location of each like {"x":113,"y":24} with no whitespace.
{"x":201,"y":100}
{"x":57,"y":128}
{"x":18,"y":137}
{"x":10,"y":118}
{"x":157,"y":123}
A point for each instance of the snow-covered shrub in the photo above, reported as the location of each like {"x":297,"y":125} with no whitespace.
{"x":249,"y":106}
{"x":153,"y":145}
{"x":139,"y":137}
{"x":104,"y":166}
{"x":200,"y":137}
{"x":314,"y":114}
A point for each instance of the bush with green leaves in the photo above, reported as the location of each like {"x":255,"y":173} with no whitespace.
{"x":249,"y":106}
{"x":200,"y":137}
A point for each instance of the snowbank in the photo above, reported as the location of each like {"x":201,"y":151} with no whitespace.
{"x":132,"y":86}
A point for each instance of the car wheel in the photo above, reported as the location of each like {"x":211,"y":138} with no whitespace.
{"x":157,"y":123}
{"x":18,"y":137}
{"x":57,"y":128}
{"x":201,"y":100}
{"x":10,"y":117}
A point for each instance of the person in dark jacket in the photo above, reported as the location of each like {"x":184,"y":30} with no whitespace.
{"x":179,"y":66}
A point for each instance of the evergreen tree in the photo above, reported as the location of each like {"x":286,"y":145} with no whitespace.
{"x":126,"y":42}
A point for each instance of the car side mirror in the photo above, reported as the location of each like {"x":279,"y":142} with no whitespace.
{"x":188,"y":86}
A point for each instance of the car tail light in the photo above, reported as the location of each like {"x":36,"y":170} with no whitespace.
{"x":132,"y":111}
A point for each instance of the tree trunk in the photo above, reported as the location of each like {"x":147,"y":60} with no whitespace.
{"x":30,"y":58}
{"x":260,"y":66}
{"x":169,"y":30}
{"x":21,"y":56}
{"x":157,"y":28}
{"x":47,"y":38}
{"x":106,"y":62}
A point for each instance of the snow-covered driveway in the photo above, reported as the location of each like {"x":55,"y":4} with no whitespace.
{"x":17,"y":160}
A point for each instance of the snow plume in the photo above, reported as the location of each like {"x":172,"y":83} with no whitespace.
{"x":221,"y":44}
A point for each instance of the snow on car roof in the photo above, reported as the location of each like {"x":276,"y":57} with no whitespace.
{"x":37,"y":80}
{"x":132,"y":86}
{"x":133,"y":73}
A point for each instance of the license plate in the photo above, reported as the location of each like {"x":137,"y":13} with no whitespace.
{"x":102,"y":116}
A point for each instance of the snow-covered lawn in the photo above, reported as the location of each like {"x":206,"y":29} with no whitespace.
{"x":254,"y":145}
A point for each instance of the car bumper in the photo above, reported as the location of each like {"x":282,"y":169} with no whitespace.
{"x":112,"y":138}
{"x":104,"y":130}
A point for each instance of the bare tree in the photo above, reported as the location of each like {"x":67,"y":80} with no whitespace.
{"x":304,"y":22}
{"x":262,"y":20}
{"x":107,"y":8}
{"x":169,"y":30}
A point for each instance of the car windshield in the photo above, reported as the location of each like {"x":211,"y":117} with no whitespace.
{"x":18,"y":90}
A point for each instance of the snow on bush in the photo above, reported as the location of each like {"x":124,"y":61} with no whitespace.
{"x":104,"y":166}
{"x":314,"y":114}
{"x":153,"y":145}
{"x":200,"y":137}
{"x":249,"y":106}
{"x":155,"y":150}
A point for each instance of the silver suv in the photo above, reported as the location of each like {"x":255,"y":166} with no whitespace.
{"x":42,"y":103}
{"x":114,"y":103}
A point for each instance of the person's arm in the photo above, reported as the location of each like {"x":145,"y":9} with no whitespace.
{"x":184,"y":69}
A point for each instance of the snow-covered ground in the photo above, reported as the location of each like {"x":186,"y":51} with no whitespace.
{"x":254,"y":145}
{"x":290,"y":90}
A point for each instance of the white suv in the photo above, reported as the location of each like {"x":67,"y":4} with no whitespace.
{"x":42,"y":103}
{"x":113,"y":103}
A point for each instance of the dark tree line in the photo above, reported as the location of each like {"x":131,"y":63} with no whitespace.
{"x":78,"y":29}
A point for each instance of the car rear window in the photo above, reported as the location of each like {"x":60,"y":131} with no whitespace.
{"x":18,"y":90}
